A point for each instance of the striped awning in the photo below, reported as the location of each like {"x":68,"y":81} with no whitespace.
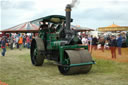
{"x":25,"y":27}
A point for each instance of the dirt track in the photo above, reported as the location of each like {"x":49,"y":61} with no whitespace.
{"x":107,"y":55}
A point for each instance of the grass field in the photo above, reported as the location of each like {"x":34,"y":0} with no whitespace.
{"x":16,"y":69}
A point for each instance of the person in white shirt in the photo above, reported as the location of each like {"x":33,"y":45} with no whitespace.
{"x":85,"y":41}
{"x":17,"y":39}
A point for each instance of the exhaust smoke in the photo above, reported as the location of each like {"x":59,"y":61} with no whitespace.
{"x":73,"y":3}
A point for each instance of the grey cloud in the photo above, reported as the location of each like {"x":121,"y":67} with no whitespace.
{"x":102,"y":14}
{"x":91,"y":17}
{"x":6,"y":4}
{"x":25,"y":5}
{"x":97,"y":17}
{"x":119,"y":2}
{"x":46,"y":12}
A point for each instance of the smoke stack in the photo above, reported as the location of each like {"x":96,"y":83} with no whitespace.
{"x":68,"y":16}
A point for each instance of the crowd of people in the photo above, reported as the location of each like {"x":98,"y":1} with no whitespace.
{"x":111,"y":42}
{"x":15,"y":41}
{"x":106,"y":42}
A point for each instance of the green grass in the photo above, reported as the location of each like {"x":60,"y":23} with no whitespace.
{"x":16,"y":69}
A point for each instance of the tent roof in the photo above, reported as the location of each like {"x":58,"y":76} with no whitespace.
{"x":113,"y":27}
{"x":25,"y":27}
{"x":33,"y":25}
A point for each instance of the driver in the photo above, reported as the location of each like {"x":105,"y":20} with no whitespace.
{"x":43,"y":25}
{"x":44,"y":29}
{"x":52,"y":28}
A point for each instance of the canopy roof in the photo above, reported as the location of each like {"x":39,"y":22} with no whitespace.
{"x":113,"y":27}
{"x":52,"y":18}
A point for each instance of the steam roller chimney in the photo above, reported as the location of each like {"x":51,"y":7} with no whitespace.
{"x":68,"y":16}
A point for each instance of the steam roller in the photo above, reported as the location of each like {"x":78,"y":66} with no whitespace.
{"x":57,"y":41}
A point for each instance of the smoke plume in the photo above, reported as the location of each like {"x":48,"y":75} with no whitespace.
{"x":73,"y":3}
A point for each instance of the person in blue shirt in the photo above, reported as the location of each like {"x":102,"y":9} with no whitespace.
{"x":3,"y":46}
{"x":119,"y":43}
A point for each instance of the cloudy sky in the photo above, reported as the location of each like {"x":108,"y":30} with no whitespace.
{"x":86,"y":13}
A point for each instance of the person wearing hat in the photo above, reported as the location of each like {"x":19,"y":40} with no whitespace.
{"x":3,"y":46}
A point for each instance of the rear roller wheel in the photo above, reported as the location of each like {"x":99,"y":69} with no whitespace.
{"x":37,"y":49}
{"x":75,"y":57}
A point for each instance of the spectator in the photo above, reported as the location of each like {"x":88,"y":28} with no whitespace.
{"x":119,"y":43}
{"x":127,"y":39}
{"x":106,"y":46}
{"x":3,"y":46}
{"x":0,"y":41}
{"x":90,"y":39}
{"x":108,"y":38}
{"x":11,"y":42}
{"x":102,"y":42}
{"x":89,"y":43}
{"x":123,"y":40}
{"x":17,"y":39}
{"x":20,"y":42}
{"x":85,"y":40}
{"x":28,"y":42}
{"x":94,"y":43}
{"x":24,"y":40}
{"x":112,"y":45}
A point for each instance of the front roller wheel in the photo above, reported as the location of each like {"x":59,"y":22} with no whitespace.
{"x":65,"y":69}
{"x":75,"y":57}
{"x":37,"y":49}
